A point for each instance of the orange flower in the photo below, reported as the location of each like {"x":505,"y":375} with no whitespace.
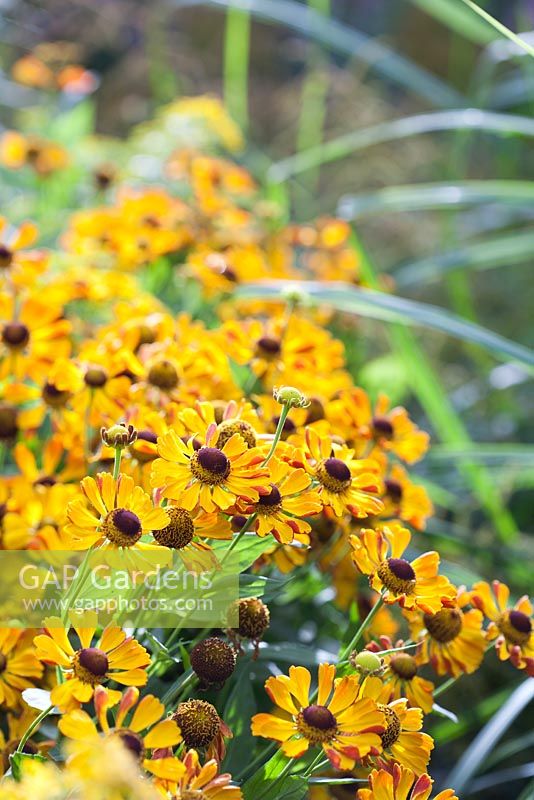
{"x":395,"y":782}
{"x":510,"y":626}
{"x":346,"y":727}
{"x":415,"y":584}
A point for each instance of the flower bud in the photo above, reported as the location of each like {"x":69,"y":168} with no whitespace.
{"x":366,"y":662}
{"x":119,"y":436}
{"x":290,"y":396}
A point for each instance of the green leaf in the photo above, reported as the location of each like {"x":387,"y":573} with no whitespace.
{"x":458,"y":19}
{"x":387,"y":307}
{"x":18,"y":760}
{"x":474,"y":757}
{"x":393,"y":130}
{"x":253,"y":788}
{"x":238,"y":711}
{"x":502,"y":251}
{"x":431,"y":196}
{"x":498,"y":26}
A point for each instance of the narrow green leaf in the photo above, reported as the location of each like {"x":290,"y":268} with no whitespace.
{"x":236,"y":63}
{"x":393,"y":130}
{"x":389,"y":308}
{"x":458,"y":19}
{"x":502,"y":29}
{"x":473,"y":758}
{"x":435,"y":196}
{"x":499,"y":252}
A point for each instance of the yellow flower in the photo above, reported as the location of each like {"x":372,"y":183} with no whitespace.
{"x":205,"y":781}
{"x":144,"y":733}
{"x":118,"y":515}
{"x":404,"y":499}
{"x":115,"y":656}
{"x":402,"y":740}
{"x":210,"y":476}
{"x":347,"y":727}
{"x":415,"y":584}
{"x":45,"y":157}
{"x":452,"y":639}
{"x":384,"y":429}
{"x":401,"y":674}
{"x":345,"y":484}
{"x":395,"y":782}
{"x":19,"y":666}
{"x":18,"y":265}
{"x":280,"y":511}
{"x":510,"y":627}
{"x":33,"y":337}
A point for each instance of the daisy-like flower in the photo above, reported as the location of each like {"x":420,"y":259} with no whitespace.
{"x":211,"y":476}
{"x":204,"y":782}
{"x":404,"y":499}
{"x":19,"y":265}
{"x":115,"y":656}
{"x":345,"y":484}
{"x":187,"y":532}
{"x":19,"y":666}
{"x":395,"y":782}
{"x":280,"y":511}
{"x":143,"y":733}
{"x":511,"y":626}
{"x":402,"y":740}
{"x":202,"y":728}
{"x":415,"y":584}
{"x":33,"y":337}
{"x":118,"y":515}
{"x":452,"y":639}
{"x":401,"y":675}
{"x":388,"y":430}
{"x":347,"y":727}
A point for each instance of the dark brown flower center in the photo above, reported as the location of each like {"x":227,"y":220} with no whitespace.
{"x":268,"y":346}
{"x":95,"y":377}
{"x":213,"y":661}
{"x":15,"y":335}
{"x":520,"y":621}
{"x":227,"y":428}
{"x":94,"y":661}
{"x":163,"y":375}
{"x":319,"y":717}
{"x":8,"y":422}
{"x":6,"y":257}
{"x":274,"y":498}
{"x":315,"y":411}
{"x":122,"y":527}
{"x":210,"y":465}
{"x":404,"y":665}
{"x":46,"y":480}
{"x":445,"y":625}
{"x":382,"y":427}
{"x":238,"y":521}
{"x":180,"y":530}
{"x":337,"y":469}
{"x":394,"y":490}
{"x":401,"y":568}
{"x":133,"y":742}
{"x":3,"y":662}
{"x":397,"y":575}
{"x":198,"y":721}
{"x":288,"y":427}
{"x":54,"y":397}
{"x":253,"y":616}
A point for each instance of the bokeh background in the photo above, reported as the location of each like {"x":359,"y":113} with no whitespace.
{"x":443,"y":211}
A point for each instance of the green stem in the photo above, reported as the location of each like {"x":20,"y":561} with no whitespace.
{"x":361,"y":630}
{"x":278,"y":433}
{"x":235,"y":541}
{"x":446,"y":685}
{"x":31,"y":727}
{"x":269,"y":789}
{"x":117,"y":463}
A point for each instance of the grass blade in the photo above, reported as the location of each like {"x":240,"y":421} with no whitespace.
{"x":346,"y":145}
{"x":502,"y":251}
{"x":458,"y":19}
{"x":502,"y":29}
{"x":434,"y":196}
{"x":236,"y":61}
{"x":490,"y":734}
{"x":347,"y":41}
{"x":390,"y":308}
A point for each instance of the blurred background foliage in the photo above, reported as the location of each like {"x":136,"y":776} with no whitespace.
{"x":441,"y":198}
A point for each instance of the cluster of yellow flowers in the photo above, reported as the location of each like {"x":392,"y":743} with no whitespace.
{"x":127,"y":426}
